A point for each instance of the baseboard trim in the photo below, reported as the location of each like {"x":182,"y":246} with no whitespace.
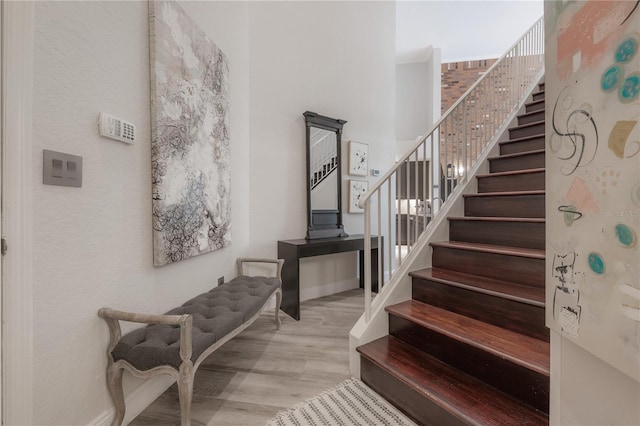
{"x":137,"y":400}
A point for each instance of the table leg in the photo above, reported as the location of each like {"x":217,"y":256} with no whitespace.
{"x":290,"y":280}
{"x":374,"y":269}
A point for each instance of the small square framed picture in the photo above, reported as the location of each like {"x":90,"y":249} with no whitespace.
{"x":357,"y":188}
{"x":358,"y":158}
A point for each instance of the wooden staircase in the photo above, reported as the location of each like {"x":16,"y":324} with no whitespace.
{"x":471,"y":346}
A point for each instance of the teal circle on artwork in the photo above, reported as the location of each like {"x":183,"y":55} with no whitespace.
{"x":625,"y":235}
{"x":626,"y":50}
{"x":630,"y":88}
{"x":596,"y":263}
{"x":611,"y":78}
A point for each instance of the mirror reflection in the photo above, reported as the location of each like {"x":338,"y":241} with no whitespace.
{"x":323,"y":173}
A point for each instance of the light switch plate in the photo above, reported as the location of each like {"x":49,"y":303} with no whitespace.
{"x":61,"y":169}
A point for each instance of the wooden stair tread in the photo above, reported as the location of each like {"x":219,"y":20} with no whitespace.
{"x":490,"y":248}
{"x":512,"y":172}
{"x":519,"y":349}
{"x":498,"y":219}
{"x":527,"y":114}
{"x":504,"y":289}
{"x":506,"y":193}
{"x":518,"y":154}
{"x":521,"y":139}
{"x":457,"y":392}
{"x":524,"y":126}
{"x":539,"y":101}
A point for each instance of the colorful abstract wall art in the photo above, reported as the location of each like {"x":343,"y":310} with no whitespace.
{"x":593,"y":177}
{"x":190,"y":152}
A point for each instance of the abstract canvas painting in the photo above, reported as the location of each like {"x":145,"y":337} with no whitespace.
{"x":592,"y":178}
{"x":190,"y":152}
{"x":358,"y":158}
{"x":357,"y":188}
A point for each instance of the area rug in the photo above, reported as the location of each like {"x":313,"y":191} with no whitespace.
{"x":350,"y":403}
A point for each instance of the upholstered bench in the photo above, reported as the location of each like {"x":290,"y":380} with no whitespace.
{"x":177,"y":342}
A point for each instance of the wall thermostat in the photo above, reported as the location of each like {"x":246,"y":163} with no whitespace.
{"x":375,"y":172}
{"x":115,"y":128}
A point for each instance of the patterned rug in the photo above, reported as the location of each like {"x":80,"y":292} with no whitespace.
{"x":350,"y":403}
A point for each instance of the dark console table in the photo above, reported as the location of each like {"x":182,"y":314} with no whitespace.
{"x":294,"y":250}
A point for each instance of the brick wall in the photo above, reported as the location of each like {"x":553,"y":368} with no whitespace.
{"x":457,"y":77}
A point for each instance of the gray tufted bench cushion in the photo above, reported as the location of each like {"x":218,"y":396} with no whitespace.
{"x":177,"y":342}
{"x":215,"y":314}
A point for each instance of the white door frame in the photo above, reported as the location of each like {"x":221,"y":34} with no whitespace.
{"x":17,"y":212}
{"x":1,"y":145}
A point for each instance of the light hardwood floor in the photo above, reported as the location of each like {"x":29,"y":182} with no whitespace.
{"x":263,"y":370}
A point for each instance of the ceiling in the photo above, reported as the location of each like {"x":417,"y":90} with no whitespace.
{"x":462,"y":29}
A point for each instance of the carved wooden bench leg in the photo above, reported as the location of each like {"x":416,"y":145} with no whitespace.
{"x":114,"y":383}
{"x":185,"y":392}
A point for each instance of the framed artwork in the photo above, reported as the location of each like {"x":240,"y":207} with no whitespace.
{"x":357,"y":188}
{"x":190,"y":147}
{"x":358,"y":158}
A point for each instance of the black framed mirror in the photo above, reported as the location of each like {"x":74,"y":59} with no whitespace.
{"x":324,"y":176}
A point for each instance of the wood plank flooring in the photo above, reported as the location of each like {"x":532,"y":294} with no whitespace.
{"x":263,"y":370}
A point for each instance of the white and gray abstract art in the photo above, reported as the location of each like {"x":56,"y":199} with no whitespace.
{"x":190,"y":152}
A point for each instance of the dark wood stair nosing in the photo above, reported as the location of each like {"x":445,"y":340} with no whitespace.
{"x":505,"y":193}
{"x":492,"y":249}
{"x":527,"y":125}
{"x":483,"y":290}
{"x":497,"y":219}
{"x":512,"y":172}
{"x":537,"y":101}
{"x":529,"y":114}
{"x":518,"y":154}
{"x":524,"y":114}
{"x":521,"y":139}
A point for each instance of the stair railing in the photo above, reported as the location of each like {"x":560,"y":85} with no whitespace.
{"x":415,"y":188}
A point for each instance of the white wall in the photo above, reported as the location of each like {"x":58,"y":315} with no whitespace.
{"x":413,"y":106}
{"x":93,"y":245}
{"x":586,"y":391}
{"x":418,"y":97}
{"x":332,"y":58}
